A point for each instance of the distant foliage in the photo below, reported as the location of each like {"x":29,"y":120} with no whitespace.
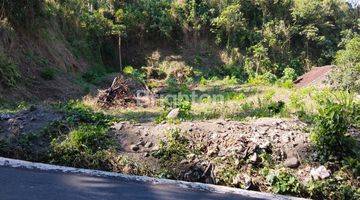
{"x":271,"y":35}
{"x":347,"y":73}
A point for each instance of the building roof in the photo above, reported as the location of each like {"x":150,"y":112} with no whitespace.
{"x":316,"y":76}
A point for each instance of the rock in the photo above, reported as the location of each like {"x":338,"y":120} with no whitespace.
{"x":265,"y":145}
{"x":254,"y":158}
{"x":118,"y":126}
{"x":148,"y":145}
{"x":140,"y":143}
{"x":183,"y":162}
{"x":213,"y":152}
{"x":280,"y":155}
{"x":134,"y":147}
{"x":173,"y":114}
{"x":146,"y":154}
{"x":237,"y":180}
{"x":4,"y":117}
{"x":292,"y":162}
{"x":248,"y":184}
{"x":243,"y":179}
{"x":320,"y":173}
{"x":127,"y":169}
{"x":191,"y":156}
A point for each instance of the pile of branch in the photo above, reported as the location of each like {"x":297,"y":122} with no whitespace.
{"x":119,"y":94}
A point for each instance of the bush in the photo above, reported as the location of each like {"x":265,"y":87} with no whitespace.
{"x":174,"y":148}
{"x":331,"y":189}
{"x":173,"y":85}
{"x":335,"y":115}
{"x":134,"y":73}
{"x":94,"y":75}
{"x":9,"y":72}
{"x":283,"y":182}
{"x":89,"y":142}
{"x":289,"y":74}
{"x":264,"y":79}
{"x":47,"y":73}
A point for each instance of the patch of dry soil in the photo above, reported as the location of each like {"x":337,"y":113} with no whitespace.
{"x":28,"y":121}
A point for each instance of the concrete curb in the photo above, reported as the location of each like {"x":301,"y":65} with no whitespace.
{"x":6,"y":162}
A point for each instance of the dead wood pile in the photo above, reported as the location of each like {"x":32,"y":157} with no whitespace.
{"x":121,"y":93}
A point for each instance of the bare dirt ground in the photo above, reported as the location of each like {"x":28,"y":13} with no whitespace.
{"x":28,"y":121}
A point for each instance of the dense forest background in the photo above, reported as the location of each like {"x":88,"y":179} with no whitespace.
{"x":258,"y":37}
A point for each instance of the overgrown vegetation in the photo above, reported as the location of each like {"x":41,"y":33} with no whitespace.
{"x":335,"y":116}
{"x":9,"y":72}
{"x":174,"y":148}
{"x":248,"y":53}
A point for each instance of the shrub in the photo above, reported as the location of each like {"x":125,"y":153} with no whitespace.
{"x":173,"y":85}
{"x":335,"y":115}
{"x":289,"y":74}
{"x":9,"y":72}
{"x":177,"y":70}
{"x":230,"y":80}
{"x":94,"y":74}
{"x":47,"y":73}
{"x":264,"y":79}
{"x":331,"y":189}
{"x":174,"y":148}
{"x":134,"y":73}
{"x":203,"y":81}
{"x":352,"y":164}
{"x":283,"y":182}
{"x":89,"y":142}
{"x":77,"y":113}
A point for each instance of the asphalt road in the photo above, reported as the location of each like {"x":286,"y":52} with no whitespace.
{"x":24,"y":184}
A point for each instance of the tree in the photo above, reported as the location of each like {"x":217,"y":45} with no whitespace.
{"x":347,"y":72}
{"x":230,"y":21}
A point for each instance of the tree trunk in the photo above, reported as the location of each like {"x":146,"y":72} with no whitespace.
{"x":120,"y":56}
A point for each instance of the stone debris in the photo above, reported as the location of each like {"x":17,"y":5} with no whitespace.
{"x":134,"y":147}
{"x":148,"y":144}
{"x":4,"y":117}
{"x":320,"y":173}
{"x":254,"y":158}
{"x":242,"y":143}
{"x":118,"y":126}
{"x":292,"y":162}
{"x":173,"y":114}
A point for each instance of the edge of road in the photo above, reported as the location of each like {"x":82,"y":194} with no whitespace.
{"x":13,"y":163}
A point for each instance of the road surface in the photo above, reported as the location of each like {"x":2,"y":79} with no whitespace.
{"x":26,"y":184}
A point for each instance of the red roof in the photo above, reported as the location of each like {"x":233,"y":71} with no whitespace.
{"x":315,"y":76}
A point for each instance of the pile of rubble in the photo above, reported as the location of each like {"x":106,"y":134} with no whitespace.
{"x":219,"y":141}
